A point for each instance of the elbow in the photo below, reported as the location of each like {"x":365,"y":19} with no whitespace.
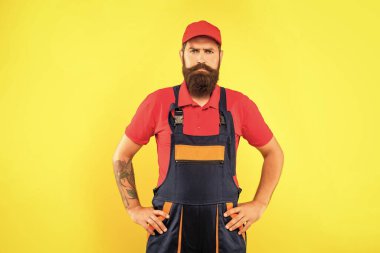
{"x":118,"y":157}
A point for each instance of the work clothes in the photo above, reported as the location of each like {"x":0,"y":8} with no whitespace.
{"x":198,"y":189}
{"x":151,"y":119}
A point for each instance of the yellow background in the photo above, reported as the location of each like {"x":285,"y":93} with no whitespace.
{"x":72,"y":74}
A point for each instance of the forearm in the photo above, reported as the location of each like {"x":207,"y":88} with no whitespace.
{"x":270,"y":175}
{"x":125,"y":179}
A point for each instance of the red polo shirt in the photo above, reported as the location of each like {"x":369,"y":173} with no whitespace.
{"x":151,"y":118}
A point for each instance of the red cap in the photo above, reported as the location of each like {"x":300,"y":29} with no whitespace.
{"x":202,"y":27}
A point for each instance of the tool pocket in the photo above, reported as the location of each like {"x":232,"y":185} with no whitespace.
{"x":165,"y":206}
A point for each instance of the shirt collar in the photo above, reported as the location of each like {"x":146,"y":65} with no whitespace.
{"x":186,"y":99}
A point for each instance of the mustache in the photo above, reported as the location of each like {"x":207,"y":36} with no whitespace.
{"x":201,"y":66}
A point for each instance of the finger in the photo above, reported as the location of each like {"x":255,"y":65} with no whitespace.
{"x":158,"y":221}
{"x":161,"y":216}
{"x":232,"y":211}
{"x":232,"y":222}
{"x":154,"y":224}
{"x":237,"y":224}
{"x":148,"y":228}
{"x":245,"y":227}
{"x":161,"y":213}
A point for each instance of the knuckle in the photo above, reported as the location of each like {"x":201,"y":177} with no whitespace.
{"x":157,"y":227}
{"x":162,"y":226}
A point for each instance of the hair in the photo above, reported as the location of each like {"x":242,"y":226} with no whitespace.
{"x":184,"y":44}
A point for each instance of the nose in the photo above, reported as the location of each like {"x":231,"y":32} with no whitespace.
{"x":201,"y":58}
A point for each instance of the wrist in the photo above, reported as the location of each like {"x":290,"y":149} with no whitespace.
{"x":133,"y":207}
{"x":260,"y":202}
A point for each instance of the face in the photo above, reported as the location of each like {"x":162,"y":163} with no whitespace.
{"x":200,"y":65}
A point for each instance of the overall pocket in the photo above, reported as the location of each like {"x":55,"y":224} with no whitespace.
{"x":199,"y":173}
{"x":198,"y":182}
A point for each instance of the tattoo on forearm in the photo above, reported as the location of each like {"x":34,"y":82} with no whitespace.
{"x":125,"y":178}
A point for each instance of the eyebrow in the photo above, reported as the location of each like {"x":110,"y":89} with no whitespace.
{"x":210,"y":48}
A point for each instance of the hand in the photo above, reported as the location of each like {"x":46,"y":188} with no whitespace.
{"x":149,"y":218}
{"x":248,"y":212}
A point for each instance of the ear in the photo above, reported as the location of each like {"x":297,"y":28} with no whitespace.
{"x":180,"y":55}
{"x":221,"y":56}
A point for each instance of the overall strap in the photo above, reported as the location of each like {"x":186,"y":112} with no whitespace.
{"x":223,"y":126}
{"x":176,"y":122}
{"x":223,"y":100}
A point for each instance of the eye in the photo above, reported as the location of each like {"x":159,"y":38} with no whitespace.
{"x":209,"y":51}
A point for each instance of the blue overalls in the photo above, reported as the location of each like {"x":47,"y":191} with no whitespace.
{"x":198,"y":189}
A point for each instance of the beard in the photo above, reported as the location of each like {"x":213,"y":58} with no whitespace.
{"x":200,"y":83}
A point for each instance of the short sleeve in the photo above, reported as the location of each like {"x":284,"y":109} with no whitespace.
{"x":143,"y":123}
{"x":254,"y":128}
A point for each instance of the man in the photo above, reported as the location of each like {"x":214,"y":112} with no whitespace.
{"x":197,"y":125}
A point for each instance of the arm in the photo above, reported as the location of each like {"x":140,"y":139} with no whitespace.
{"x":249,"y":212}
{"x":125,"y":179}
{"x":271,"y":171}
{"x":124,"y":173}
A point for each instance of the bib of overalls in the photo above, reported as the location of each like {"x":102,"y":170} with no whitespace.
{"x":201,"y":168}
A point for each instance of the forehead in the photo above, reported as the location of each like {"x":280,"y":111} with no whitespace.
{"x":201,"y":42}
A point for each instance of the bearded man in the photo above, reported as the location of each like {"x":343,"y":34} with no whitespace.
{"x":197,"y":125}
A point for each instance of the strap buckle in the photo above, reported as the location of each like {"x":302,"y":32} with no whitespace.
{"x":222,"y":120}
{"x":178,"y":116}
